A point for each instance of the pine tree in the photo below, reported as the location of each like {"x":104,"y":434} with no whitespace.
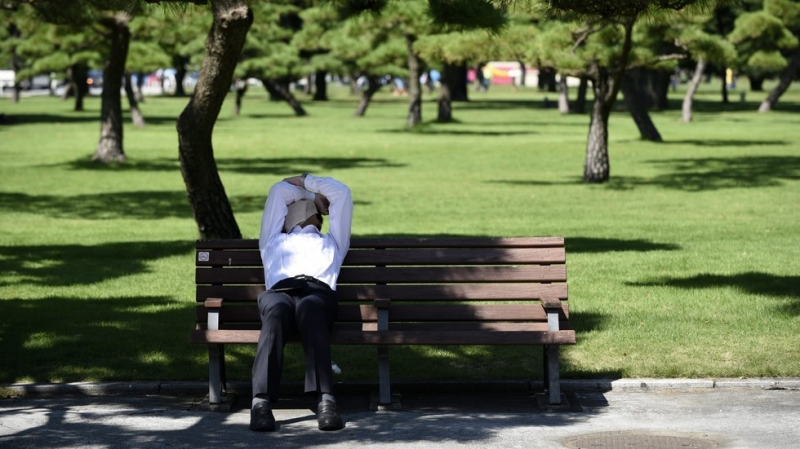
{"x":605,"y":39}
{"x":764,"y":36}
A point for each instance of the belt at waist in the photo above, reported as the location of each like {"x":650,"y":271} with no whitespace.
{"x":297,"y":282}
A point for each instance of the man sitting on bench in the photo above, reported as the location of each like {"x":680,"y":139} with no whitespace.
{"x":301,"y":266}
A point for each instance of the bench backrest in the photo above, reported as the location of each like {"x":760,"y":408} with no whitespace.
{"x":442,"y":284}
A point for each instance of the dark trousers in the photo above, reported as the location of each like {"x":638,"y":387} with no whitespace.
{"x":309,"y":311}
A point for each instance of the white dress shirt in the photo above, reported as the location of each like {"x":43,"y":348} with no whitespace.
{"x":305,"y":251}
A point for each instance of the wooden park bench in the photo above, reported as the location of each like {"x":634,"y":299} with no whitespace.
{"x":403,"y":291}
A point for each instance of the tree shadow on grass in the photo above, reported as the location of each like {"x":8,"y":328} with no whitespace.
{"x":117,"y":338}
{"x":431,"y":130}
{"x":726,"y":142}
{"x":23,"y":118}
{"x":752,"y":282}
{"x":82,"y":117}
{"x":704,"y":174}
{"x":70,"y":265}
{"x":256,"y":166}
{"x":699,"y":175}
{"x":703,"y":105}
{"x":143,"y":205}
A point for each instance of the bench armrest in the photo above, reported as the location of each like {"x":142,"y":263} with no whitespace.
{"x":550,"y":302}
{"x":552,"y":306}
{"x":213,"y":305}
{"x":383,"y":305}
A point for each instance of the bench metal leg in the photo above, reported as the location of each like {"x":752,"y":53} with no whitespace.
{"x":216,"y":373}
{"x":384,"y":383}
{"x":552,"y":376}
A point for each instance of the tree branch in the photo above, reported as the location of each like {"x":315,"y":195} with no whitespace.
{"x":583,"y":34}
{"x":662,"y":58}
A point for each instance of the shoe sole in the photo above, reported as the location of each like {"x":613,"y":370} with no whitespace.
{"x":328,"y":426}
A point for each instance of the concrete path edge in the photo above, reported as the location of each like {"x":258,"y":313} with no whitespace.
{"x":180,"y":388}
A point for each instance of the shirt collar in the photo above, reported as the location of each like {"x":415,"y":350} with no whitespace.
{"x":310,"y":229}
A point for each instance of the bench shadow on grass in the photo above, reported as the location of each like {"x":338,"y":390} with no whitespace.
{"x":752,"y":282}
{"x":70,"y":265}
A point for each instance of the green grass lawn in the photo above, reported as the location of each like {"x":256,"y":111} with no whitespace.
{"x":684,"y":265}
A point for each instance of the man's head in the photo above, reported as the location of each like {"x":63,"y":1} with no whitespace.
{"x":303,"y":213}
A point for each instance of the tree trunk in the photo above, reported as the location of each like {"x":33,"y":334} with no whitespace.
{"x":76,"y":84}
{"x":580,"y":101}
{"x":786,"y":79}
{"x":523,"y":73}
{"x":373,"y":86}
{"x":320,"y":86}
{"x":638,"y":110}
{"x":136,"y":115}
{"x":280,"y":90}
{"x":651,"y":86}
{"x":110,"y":147}
{"x":756,"y":83}
{"x":563,"y":95}
{"x":724,"y":89}
{"x":692,"y":89}
{"x":210,"y":205}
{"x":445,"y":101}
{"x":596,"y":166}
{"x":459,"y":90}
{"x":241,"y":89}
{"x":547,"y":79}
{"x":139,"y":87}
{"x":606,"y":86}
{"x":180,"y":73}
{"x":451,"y":75}
{"x":414,"y":91}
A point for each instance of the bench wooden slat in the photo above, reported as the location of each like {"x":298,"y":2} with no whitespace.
{"x":403,"y":312}
{"x":456,"y":292}
{"x":403,"y":337}
{"x":408,"y":242}
{"x":446,"y":327}
{"x":446,"y":256}
{"x":534,"y":273}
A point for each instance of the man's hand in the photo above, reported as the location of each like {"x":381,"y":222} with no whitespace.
{"x":295,"y":181}
{"x":322,"y":203}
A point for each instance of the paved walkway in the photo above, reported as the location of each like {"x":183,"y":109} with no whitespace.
{"x":626,"y":413}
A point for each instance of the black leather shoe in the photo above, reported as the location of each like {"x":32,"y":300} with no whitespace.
{"x":328,"y":416}
{"x":261,"y":418}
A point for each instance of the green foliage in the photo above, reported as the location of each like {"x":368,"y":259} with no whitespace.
{"x":787,"y":10}
{"x":761,"y":29}
{"x":44,"y":48}
{"x":760,"y":36}
{"x":178,"y":35}
{"x":364,"y":45}
{"x":766,"y":62}
{"x":269,"y":51}
{"x":467,"y":14}
{"x":352,"y":8}
{"x":458,"y":47}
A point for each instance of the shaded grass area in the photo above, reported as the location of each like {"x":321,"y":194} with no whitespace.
{"x":683,"y":265}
